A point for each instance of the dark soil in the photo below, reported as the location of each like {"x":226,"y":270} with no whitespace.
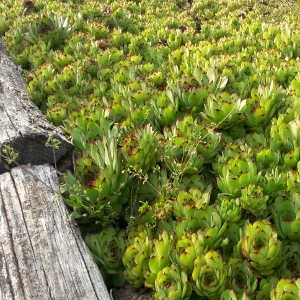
{"x":128,"y":293}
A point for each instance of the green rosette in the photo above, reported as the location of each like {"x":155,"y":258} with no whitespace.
{"x":209,"y":275}
{"x":261,"y":247}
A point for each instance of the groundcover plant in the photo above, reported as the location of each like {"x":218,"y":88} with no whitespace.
{"x":186,"y":115}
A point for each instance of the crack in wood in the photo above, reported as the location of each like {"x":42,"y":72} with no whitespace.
{"x":46,"y":256}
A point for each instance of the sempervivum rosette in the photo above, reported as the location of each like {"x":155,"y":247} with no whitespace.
{"x":254,"y":200}
{"x":209,"y":275}
{"x":241,"y":278}
{"x":262,"y":105}
{"x":239,"y":149}
{"x":100,"y":181}
{"x":179,"y":151}
{"x":188,"y":248}
{"x":207,"y":140}
{"x":230,"y":210}
{"x":290,"y":265}
{"x":195,"y":198}
{"x":107,"y":249}
{"x":237,"y":174}
{"x":261,"y":246}
{"x":232,"y":295}
{"x":286,"y":289}
{"x":135,"y":258}
{"x":264,"y":289}
{"x":286,"y":214}
{"x":286,"y":138}
{"x":208,"y":221}
{"x":159,"y":258}
{"x":140,"y":149}
{"x":172,"y":283}
{"x":224,"y":110}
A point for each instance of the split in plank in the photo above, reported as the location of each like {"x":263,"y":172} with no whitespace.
{"x":42,"y":253}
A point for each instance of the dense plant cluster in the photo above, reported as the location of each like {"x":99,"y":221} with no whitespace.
{"x":186,"y":117}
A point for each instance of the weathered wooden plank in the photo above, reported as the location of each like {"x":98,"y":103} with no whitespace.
{"x":22,"y":125}
{"x":42,"y":254}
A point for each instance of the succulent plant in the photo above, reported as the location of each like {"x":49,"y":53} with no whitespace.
{"x":264,"y":103}
{"x":206,"y":140}
{"x":107,"y":249}
{"x":187,"y":182}
{"x":135,"y":231}
{"x":258,"y":141}
{"x":210,"y":79}
{"x":88,"y":129}
{"x":286,"y":138}
{"x":165,"y":107}
{"x":231,"y":245}
{"x":153,"y":99}
{"x":239,"y":149}
{"x":188,"y":248}
{"x":140,"y":149}
{"x":100,"y":183}
{"x":191,"y":98}
{"x":253,"y":200}
{"x":194,"y":219}
{"x":180,"y":155}
{"x":236,"y":132}
{"x":195,"y":89}
{"x":261,"y":246}
{"x":224,"y":110}
{"x":286,"y":288}
{"x":209,"y":275}
{"x":214,"y":229}
{"x":274,"y":181}
{"x":231,"y":295}
{"x":230,"y":210}
{"x":195,"y":197}
{"x":116,"y":113}
{"x":240,"y":277}
{"x":62,"y":28}
{"x":265,"y":286}
{"x":139,"y":117}
{"x":207,"y":221}
{"x":286,"y":214}
{"x":290,"y":265}
{"x":237,"y":174}
{"x":159,"y":259}
{"x":135,"y":259}
{"x":292,"y":181}
{"x":56,"y":114}
{"x":172,"y":283}
{"x":157,"y":79}
{"x":268,"y":157}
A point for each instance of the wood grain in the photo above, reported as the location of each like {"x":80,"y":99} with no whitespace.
{"x":42,"y":254}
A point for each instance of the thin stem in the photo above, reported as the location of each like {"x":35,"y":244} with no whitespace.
{"x":55,"y":161}
{"x":208,"y":132}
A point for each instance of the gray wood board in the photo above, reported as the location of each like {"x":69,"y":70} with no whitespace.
{"x":22,"y":125}
{"x":42,"y":253}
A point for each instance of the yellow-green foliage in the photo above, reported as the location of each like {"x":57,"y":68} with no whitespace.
{"x":165,"y":99}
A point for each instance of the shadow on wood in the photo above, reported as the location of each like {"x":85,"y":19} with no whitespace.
{"x":22,"y":125}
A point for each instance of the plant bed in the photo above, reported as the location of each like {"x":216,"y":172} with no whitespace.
{"x":186,"y":118}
